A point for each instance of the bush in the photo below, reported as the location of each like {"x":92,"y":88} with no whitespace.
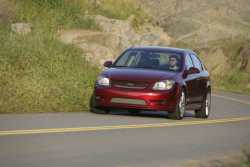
{"x":234,"y":81}
{"x":54,"y":15}
{"x":40,"y":74}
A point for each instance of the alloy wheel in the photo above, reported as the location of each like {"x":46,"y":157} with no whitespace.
{"x":182,"y":104}
{"x":208,"y":104}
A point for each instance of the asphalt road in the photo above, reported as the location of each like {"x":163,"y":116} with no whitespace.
{"x":123,"y":140}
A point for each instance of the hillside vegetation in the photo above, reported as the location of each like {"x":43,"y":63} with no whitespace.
{"x":42,"y":71}
{"x":214,"y":20}
{"x":38,"y":73}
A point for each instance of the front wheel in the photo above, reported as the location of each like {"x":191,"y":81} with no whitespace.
{"x":205,"y":109}
{"x":178,"y":114}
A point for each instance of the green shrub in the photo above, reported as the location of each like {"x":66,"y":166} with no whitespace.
{"x":54,"y":15}
{"x":234,"y":81}
{"x":122,"y":9}
{"x":40,"y":74}
{"x":119,"y":9}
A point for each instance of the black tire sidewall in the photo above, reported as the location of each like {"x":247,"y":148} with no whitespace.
{"x":177,"y":113}
{"x":201,"y":113}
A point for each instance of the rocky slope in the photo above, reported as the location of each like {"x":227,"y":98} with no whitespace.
{"x":218,"y":30}
{"x":114,"y":36}
{"x":201,"y":21}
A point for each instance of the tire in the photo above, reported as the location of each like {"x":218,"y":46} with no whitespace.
{"x":178,"y":114}
{"x":134,"y":112}
{"x":94,"y":109}
{"x":205,"y":109}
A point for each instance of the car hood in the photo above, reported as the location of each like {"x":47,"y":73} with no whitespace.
{"x":137,"y":74}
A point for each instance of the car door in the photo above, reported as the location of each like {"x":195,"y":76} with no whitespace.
{"x":190,"y":80}
{"x":200,"y":79}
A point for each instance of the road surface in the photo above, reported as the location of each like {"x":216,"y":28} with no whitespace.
{"x":123,"y":140}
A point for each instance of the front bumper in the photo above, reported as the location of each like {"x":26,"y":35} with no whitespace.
{"x":134,"y":99}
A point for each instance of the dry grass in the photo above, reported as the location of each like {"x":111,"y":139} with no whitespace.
{"x":240,"y":160}
{"x":7,"y":11}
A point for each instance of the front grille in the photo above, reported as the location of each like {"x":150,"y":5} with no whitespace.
{"x":129,"y":85}
{"x":128,"y":101}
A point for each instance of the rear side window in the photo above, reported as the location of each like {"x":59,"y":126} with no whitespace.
{"x":197,"y":62}
{"x":188,"y":62}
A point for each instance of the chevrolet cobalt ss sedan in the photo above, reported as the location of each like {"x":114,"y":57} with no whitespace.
{"x":156,"y":79}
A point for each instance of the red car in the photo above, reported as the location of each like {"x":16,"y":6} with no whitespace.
{"x":157,"y":79}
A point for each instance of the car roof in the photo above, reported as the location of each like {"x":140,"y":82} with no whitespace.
{"x":160,"y":48}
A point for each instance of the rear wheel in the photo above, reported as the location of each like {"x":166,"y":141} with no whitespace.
{"x":180,"y":108}
{"x":94,"y":109}
{"x":204,"y":111}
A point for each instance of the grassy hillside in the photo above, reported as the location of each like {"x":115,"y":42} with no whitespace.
{"x":38,"y":73}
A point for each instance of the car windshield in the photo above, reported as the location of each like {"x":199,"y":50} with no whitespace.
{"x":158,"y":60}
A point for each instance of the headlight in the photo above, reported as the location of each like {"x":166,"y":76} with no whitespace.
{"x":163,"y":85}
{"x":102,"y":81}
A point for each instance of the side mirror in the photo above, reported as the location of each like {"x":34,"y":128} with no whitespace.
{"x":108,"y":64}
{"x":192,"y":70}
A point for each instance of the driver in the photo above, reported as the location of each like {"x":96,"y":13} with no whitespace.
{"x":173,"y":63}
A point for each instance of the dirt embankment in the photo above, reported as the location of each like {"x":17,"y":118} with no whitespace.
{"x":114,"y":36}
